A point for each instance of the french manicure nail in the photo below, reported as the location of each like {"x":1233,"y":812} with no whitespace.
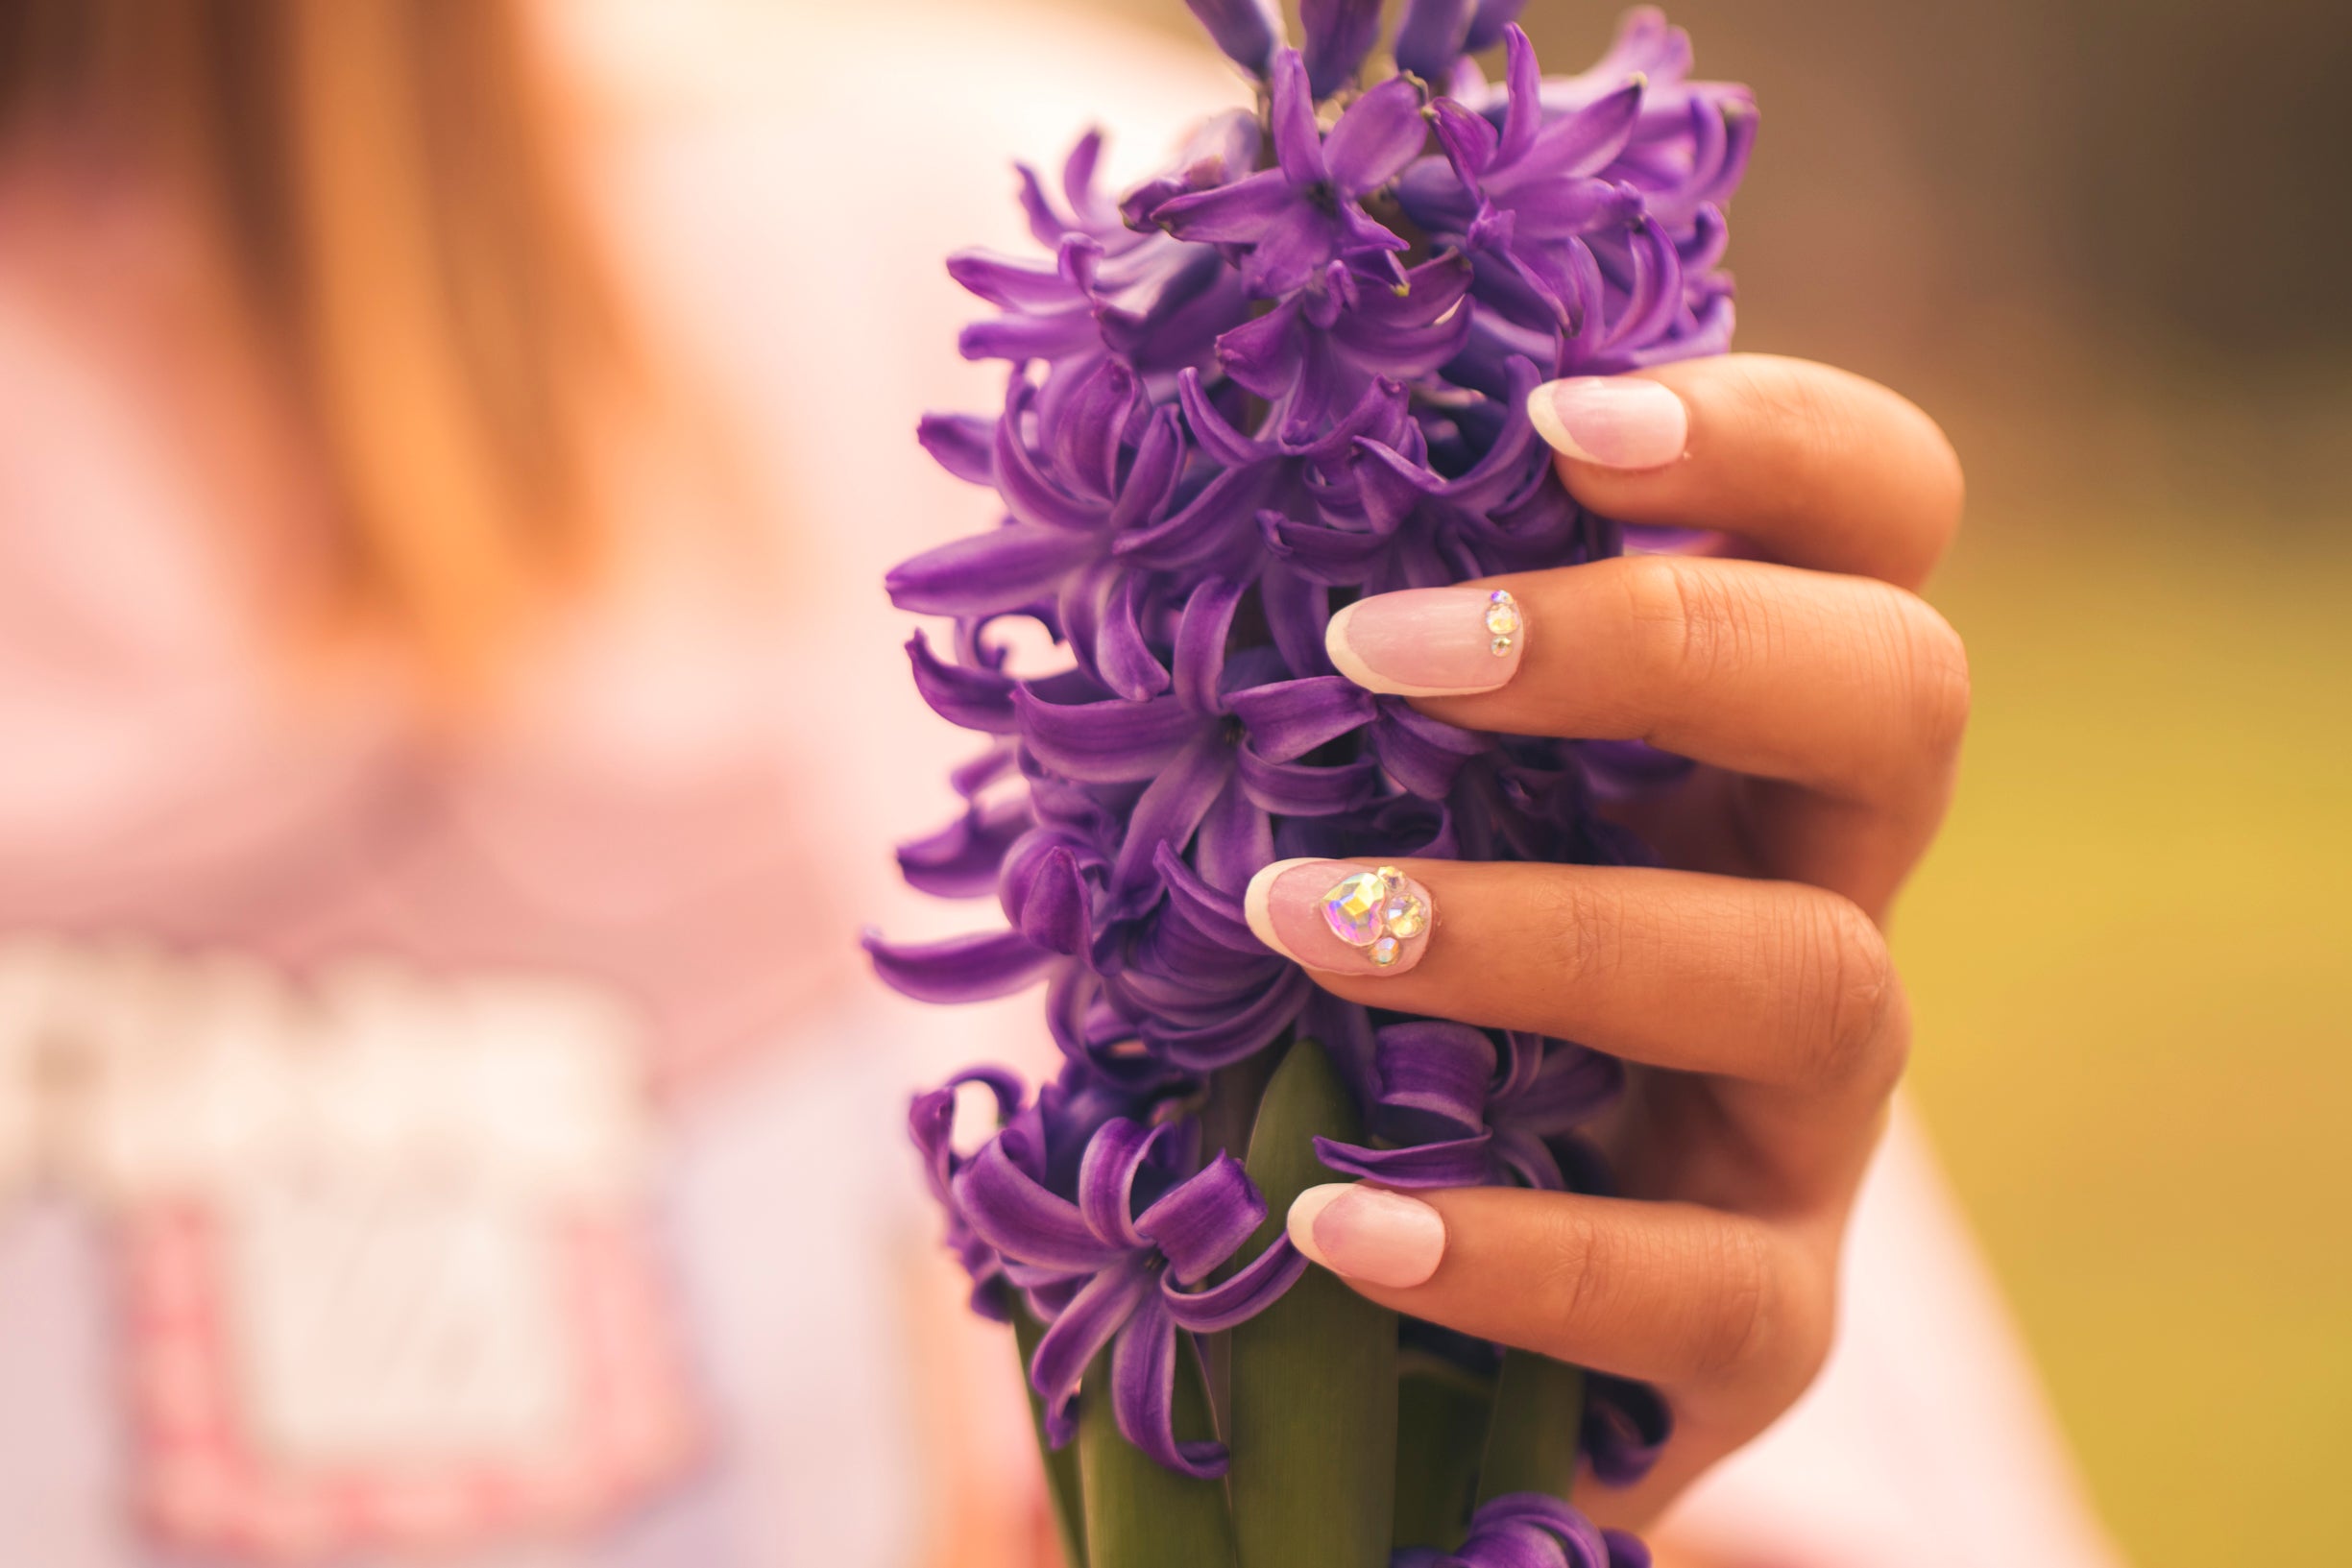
{"x":1429,"y":642}
{"x":1617,"y":421}
{"x":1369,"y":1233}
{"x":1341,"y":917}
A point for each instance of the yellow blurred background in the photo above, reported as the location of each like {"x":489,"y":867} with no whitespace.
{"x":2104,"y":242}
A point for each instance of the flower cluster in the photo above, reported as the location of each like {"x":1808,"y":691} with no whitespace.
{"x":1289,"y":371}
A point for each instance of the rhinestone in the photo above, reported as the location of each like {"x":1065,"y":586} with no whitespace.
{"x":1500,"y":646}
{"x":1502,"y":619}
{"x":1384,"y":952}
{"x":1405,"y":917}
{"x":1352,"y":908}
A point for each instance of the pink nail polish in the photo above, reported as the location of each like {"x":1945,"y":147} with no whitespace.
{"x":1369,"y":1233}
{"x":1341,"y":916}
{"x":1429,"y":642}
{"x":1617,"y":421}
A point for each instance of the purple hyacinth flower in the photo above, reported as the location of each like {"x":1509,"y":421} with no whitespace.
{"x":1431,"y":37}
{"x":1339,"y":35}
{"x":1297,"y":218}
{"x":1246,"y":30}
{"x":1461,"y":1121}
{"x":1120,"y":1264}
{"x":1529,"y":1530}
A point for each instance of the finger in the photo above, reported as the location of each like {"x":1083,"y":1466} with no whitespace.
{"x":1815,"y":467}
{"x":1840,"y":683}
{"x":1779,"y":984}
{"x":1668,"y":1292}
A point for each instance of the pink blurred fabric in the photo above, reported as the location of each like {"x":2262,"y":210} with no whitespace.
{"x":690,"y":816}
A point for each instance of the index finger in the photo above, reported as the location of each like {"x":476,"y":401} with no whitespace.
{"x":1814,"y":466}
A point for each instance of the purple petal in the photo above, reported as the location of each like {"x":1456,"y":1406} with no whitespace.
{"x":984,"y":573}
{"x":1200,"y":1222}
{"x":1235,"y":839}
{"x":1021,"y":338}
{"x":960,"y":968}
{"x":962,"y":860}
{"x":1011,"y":283}
{"x":1573,"y":1086}
{"x":1340,"y":34}
{"x":1444,"y":1069}
{"x":1078,"y":1336}
{"x":976,"y":699}
{"x":1457,"y":1162}
{"x":1626,"y":1424}
{"x":1430,"y":38}
{"x":1582,"y":143}
{"x":960,"y":444}
{"x":1151,"y":482}
{"x":1169,"y":810}
{"x":1256,"y":1287}
{"x":1246,"y":30}
{"x":1494,"y":15}
{"x":1289,"y":719}
{"x":1045,"y":896}
{"x":1121,"y":656}
{"x":1104,"y":742}
{"x":1234,"y":215}
{"x":1265,"y":354}
{"x":1143,"y":1394}
{"x":1217,"y":915}
{"x":1200,"y":644}
{"x":1225,"y":1040}
{"x":1295,"y":790}
{"x":1012,"y":1213}
{"x":1299,"y":146}
{"x":1524,"y":78}
{"x":1106,"y":1179}
{"x":1422,"y":754}
{"x":1378,"y":136}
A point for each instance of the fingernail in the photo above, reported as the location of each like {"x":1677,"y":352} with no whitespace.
{"x":1369,"y":1233}
{"x":1618,"y":421}
{"x":1341,"y":917}
{"x":1429,"y":642}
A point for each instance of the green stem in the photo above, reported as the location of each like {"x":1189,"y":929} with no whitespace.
{"x":1314,"y":1376}
{"x":1442,"y":1419}
{"x":1139,"y":1515}
{"x":1531,"y":1440}
{"x":1062,"y":1471}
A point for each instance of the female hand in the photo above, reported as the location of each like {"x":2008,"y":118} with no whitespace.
{"x":1747,"y":984}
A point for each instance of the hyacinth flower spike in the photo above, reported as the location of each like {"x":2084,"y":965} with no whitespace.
{"x":1285,"y":376}
{"x":1106,"y":1272}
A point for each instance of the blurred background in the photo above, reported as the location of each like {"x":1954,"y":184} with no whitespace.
{"x":2103,"y":241}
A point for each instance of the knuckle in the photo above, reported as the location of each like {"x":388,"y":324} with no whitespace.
{"x":1572,"y":1267}
{"x":1744,"y":1300}
{"x":1856,"y":995}
{"x":1694,"y":624}
{"x":1939,"y":679}
{"x":1587,"y":923}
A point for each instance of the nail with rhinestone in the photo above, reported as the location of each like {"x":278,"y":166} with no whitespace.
{"x":1341,"y":917}
{"x":1430,"y":641}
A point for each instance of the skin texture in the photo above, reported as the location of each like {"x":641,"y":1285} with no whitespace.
{"x":1748,"y":983}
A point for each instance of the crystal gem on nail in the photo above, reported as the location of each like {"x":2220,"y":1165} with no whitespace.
{"x":1375,"y":909}
{"x":1503,"y":622}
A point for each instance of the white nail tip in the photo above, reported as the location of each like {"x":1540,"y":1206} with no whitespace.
{"x":1257,"y":898}
{"x":1305,"y":1209}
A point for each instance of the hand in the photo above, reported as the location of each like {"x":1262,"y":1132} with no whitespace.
{"x":1748,"y":986}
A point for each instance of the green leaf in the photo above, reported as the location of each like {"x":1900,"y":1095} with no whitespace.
{"x":1061,"y":1478}
{"x":1531,"y":1440}
{"x":1441,"y":1414}
{"x":1139,"y":1515}
{"x":1314,"y":1376}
